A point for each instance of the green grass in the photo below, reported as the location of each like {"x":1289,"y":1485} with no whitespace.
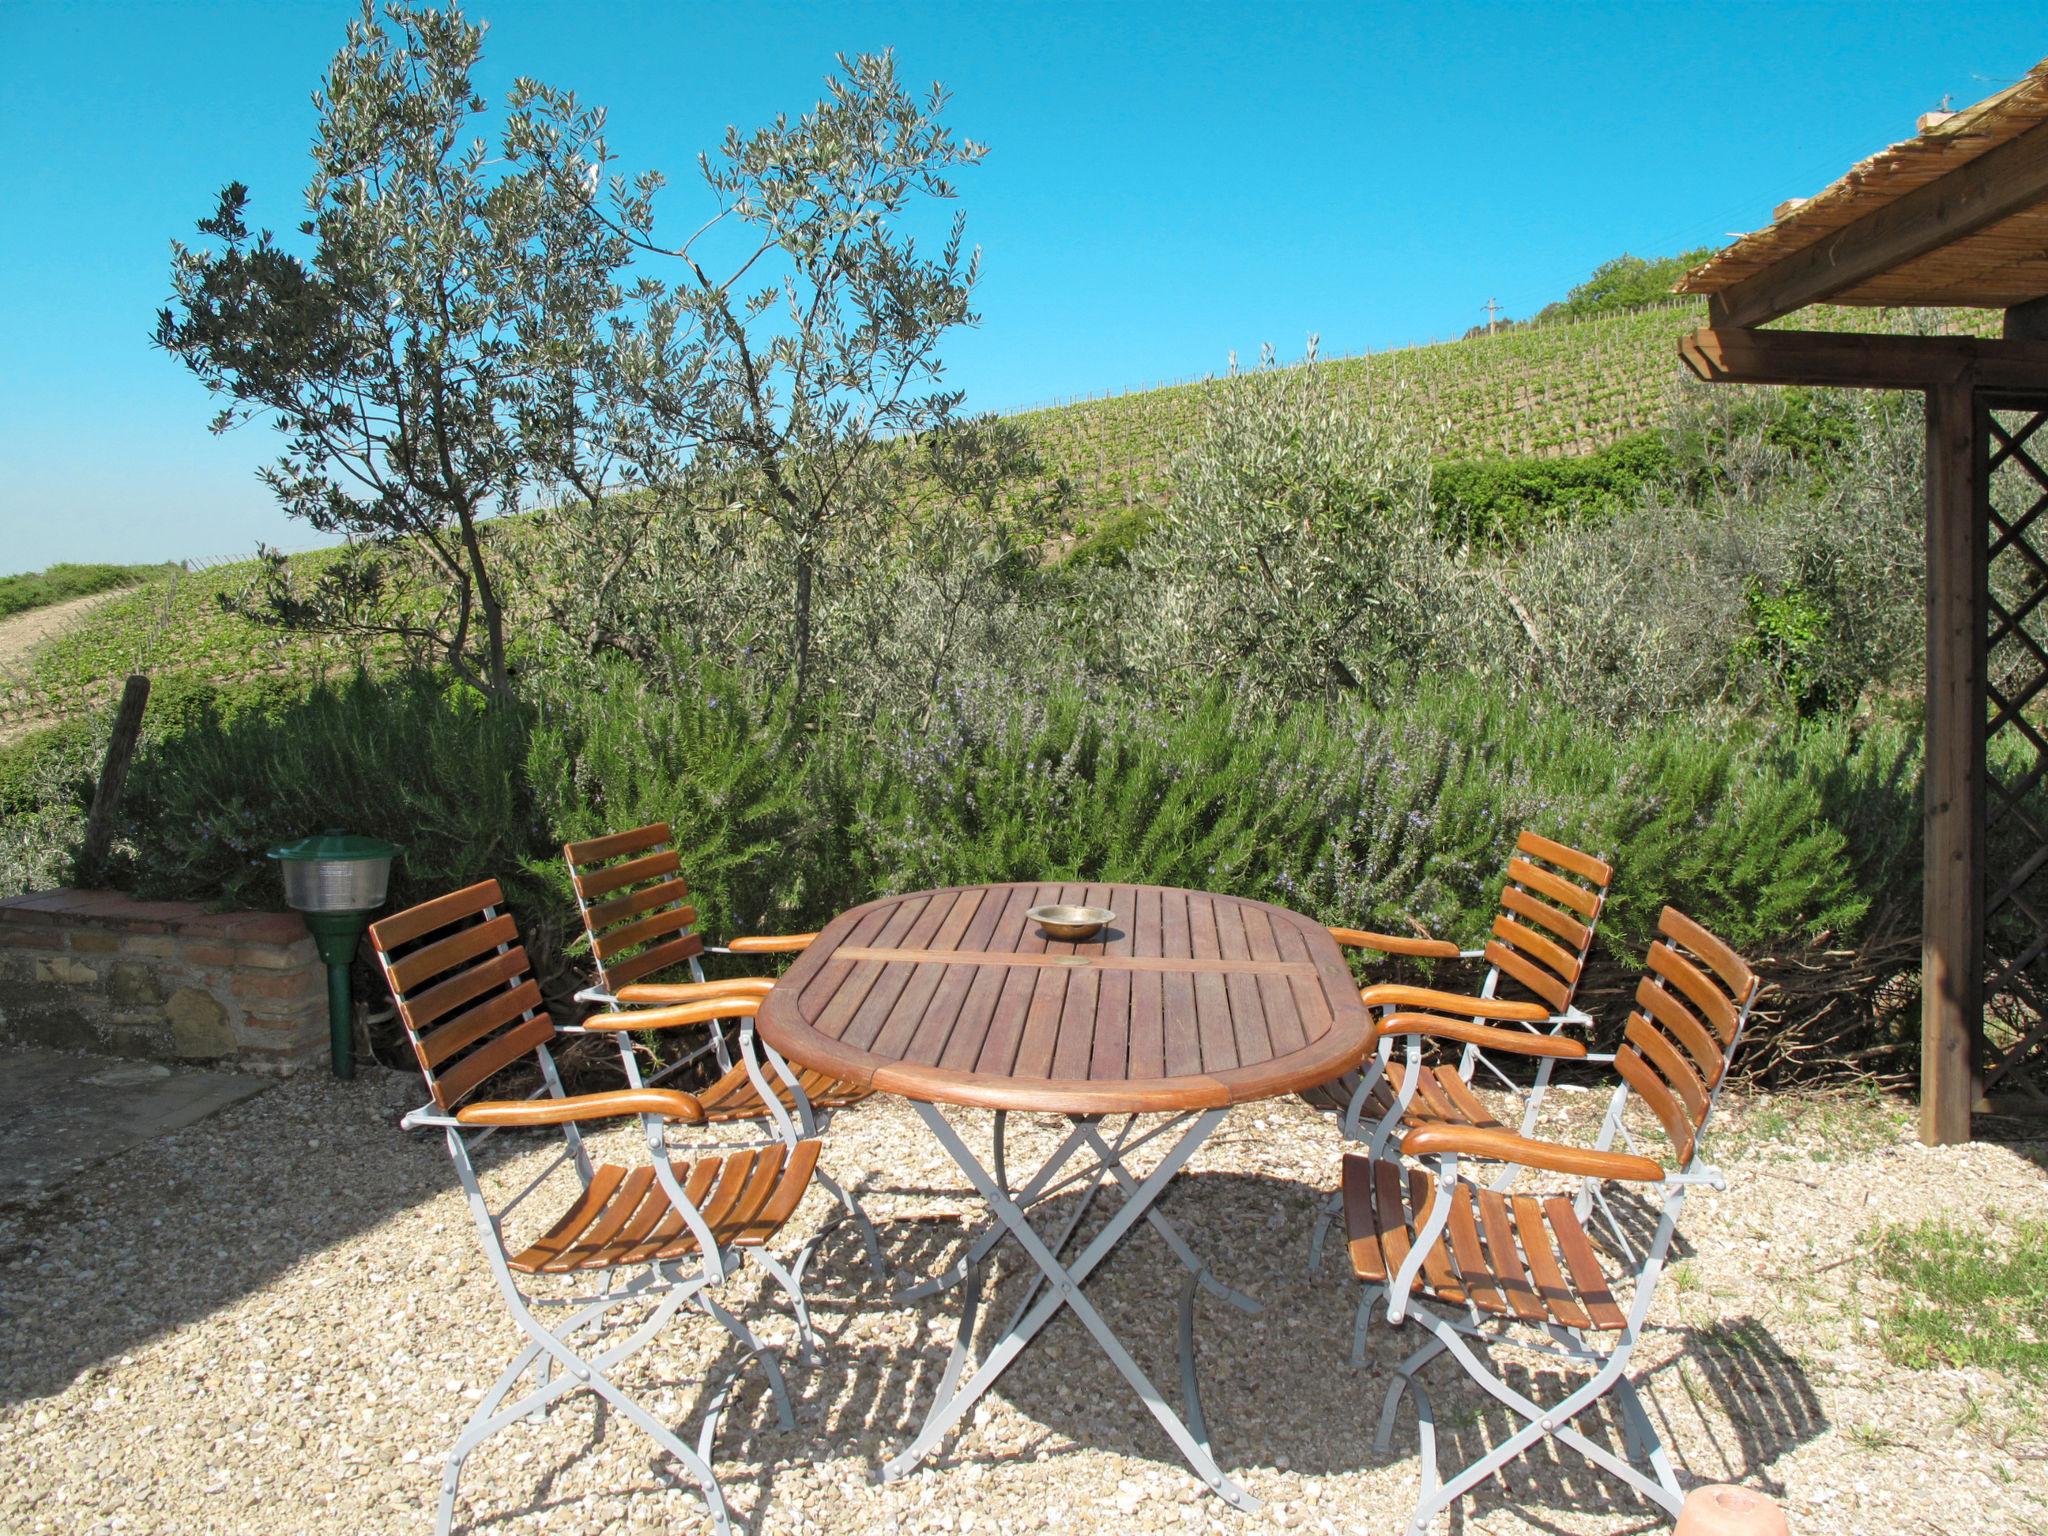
{"x":1821,"y":1126}
{"x":62,"y":583}
{"x":1967,"y":1295}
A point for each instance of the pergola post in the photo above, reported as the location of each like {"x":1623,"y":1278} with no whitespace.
{"x":1952,"y":929}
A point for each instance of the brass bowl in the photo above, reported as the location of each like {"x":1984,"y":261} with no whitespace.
{"x":1071,"y":923}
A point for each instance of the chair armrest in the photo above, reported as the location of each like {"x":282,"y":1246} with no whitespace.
{"x":1485,"y":1036}
{"x":1552,"y":1156}
{"x":769,"y":943}
{"x":693,"y":991}
{"x":722,"y":1007}
{"x":666,"y":1102}
{"x":1394,"y":995}
{"x":1395,"y":944}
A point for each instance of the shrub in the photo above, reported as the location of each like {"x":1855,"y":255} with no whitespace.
{"x":1505,"y":500}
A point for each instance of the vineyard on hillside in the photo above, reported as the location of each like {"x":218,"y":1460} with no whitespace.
{"x":1544,"y":390}
{"x":1548,"y":390}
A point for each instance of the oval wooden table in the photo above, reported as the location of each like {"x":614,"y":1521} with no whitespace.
{"x":1186,"y":1004}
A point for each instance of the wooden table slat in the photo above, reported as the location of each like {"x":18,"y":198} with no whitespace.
{"x":914,"y":1001}
{"x":1283,"y":1019}
{"x":1214,"y":1028}
{"x":1186,"y":1000}
{"x":1006,"y":1025}
{"x":1247,"y":1008}
{"x":1148,"y":991}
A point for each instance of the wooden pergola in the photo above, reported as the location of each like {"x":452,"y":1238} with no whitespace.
{"x":1956,"y":216}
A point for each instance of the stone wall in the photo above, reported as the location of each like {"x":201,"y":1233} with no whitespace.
{"x":162,"y":980}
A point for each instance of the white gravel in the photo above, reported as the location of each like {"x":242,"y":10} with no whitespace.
{"x":275,"y":1321}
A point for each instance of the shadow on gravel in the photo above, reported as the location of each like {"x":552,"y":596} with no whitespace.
{"x":170,"y":1232}
{"x":1277,"y":1388}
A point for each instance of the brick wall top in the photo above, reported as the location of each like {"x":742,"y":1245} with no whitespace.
{"x":112,"y":909}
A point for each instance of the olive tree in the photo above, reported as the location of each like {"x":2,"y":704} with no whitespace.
{"x":437,"y":348}
{"x":802,"y":343}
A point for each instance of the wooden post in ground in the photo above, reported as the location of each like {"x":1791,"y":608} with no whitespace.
{"x":1952,"y":969}
{"x":99,"y":822}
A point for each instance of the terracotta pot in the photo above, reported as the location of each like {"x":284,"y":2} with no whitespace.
{"x":1723,"y":1510}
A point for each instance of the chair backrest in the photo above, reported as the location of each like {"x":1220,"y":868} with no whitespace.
{"x":1548,"y":911}
{"x":459,"y":977}
{"x":631,"y":892}
{"x":1691,"y":1006}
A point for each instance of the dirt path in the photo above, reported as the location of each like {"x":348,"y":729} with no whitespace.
{"x":22,"y":632}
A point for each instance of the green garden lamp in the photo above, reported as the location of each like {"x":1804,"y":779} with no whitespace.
{"x":336,"y":880}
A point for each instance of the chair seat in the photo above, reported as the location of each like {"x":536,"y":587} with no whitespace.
{"x":1441,"y":1098}
{"x":735,"y":1097}
{"x":1513,"y":1256}
{"x":624,"y":1216}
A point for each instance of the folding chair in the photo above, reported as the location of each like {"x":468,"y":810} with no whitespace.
{"x":1528,"y":1263}
{"x":633,"y":900}
{"x":660,"y":1236}
{"x":1549,"y":909}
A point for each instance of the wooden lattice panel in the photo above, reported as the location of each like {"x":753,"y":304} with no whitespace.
{"x":2013,"y":1047}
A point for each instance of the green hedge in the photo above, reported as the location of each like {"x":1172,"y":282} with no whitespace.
{"x":1504,"y":500}
{"x":1368,"y":816}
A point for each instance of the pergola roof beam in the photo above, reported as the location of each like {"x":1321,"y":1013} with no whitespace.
{"x":1997,"y":184}
{"x":1857,"y":361}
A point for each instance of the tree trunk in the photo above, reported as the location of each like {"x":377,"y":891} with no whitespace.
{"x":803,"y":621}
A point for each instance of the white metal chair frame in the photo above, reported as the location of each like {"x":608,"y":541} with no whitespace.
{"x":1451,"y":1330}
{"x":558,"y":1365}
{"x":1396,"y":1001}
{"x":743,"y":994}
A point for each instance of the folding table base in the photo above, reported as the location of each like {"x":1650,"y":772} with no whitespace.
{"x":1062,"y":1283}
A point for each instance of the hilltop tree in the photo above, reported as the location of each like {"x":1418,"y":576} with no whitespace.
{"x":785,"y":375}
{"x":445,"y":352}
{"x":463,"y":341}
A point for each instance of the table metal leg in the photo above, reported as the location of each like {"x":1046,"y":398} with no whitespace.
{"x":1066,"y":1291}
{"x":1166,"y":1229}
{"x":991,"y":1232}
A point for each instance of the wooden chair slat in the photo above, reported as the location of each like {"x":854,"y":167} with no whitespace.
{"x":1551,"y":1286}
{"x":1584,"y":1264}
{"x":1564,"y":856}
{"x":400,"y":928}
{"x":1506,"y":1257}
{"x":1663,"y":1005}
{"x":1567,"y":928}
{"x":425,"y":1009}
{"x":1703,"y":994}
{"x":593,"y":883}
{"x":1652,"y":1090}
{"x":657,"y":957}
{"x":471,"y":1025}
{"x":1539,"y":947}
{"x":732,"y":1178}
{"x":633,"y":903}
{"x":1733,"y":970}
{"x":656,"y":925}
{"x":599,"y":850}
{"x":560,"y":1237}
{"x":1556,"y":887}
{"x":492,"y":1057}
{"x":443,"y":955}
{"x":1467,"y":1253}
{"x":1531,"y":975}
{"x":1656,"y":1048}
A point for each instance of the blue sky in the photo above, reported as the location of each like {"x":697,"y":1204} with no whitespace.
{"x":1165,"y":183}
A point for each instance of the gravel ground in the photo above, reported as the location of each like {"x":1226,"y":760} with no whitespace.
{"x":276,"y":1320}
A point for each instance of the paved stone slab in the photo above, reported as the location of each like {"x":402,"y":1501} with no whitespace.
{"x":60,"y":1113}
